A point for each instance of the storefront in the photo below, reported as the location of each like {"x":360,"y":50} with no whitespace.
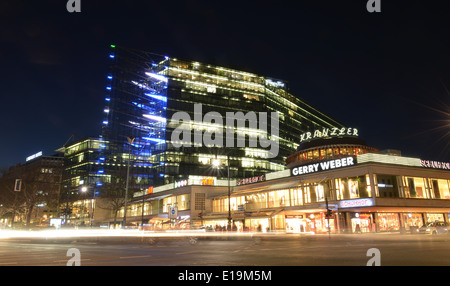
{"x":412,"y":221}
{"x":365,"y":192}
{"x":432,"y":217}
{"x":296,"y":224}
{"x":362,"y":222}
{"x":388,"y":221}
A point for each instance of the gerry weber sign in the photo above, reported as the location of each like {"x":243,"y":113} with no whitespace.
{"x":323,"y":166}
{"x":328,"y":132}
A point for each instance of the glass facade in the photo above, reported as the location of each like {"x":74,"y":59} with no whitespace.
{"x":145,"y":90}
{"x":134,"y":123}
{"x":413,"y":187}
{"x":302,"y":206}
{"x":84,"y":166}
{"x":327,"y":153}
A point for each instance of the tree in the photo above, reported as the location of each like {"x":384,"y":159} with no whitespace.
{"x":41,"y":180}
{"x":11,"y":202}
{"x":113,"y":193}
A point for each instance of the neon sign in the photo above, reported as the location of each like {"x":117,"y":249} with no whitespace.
{"x":356,"y":203}
{"x":208,"y":181}
{"x":434,"y":164}
{"x":251,"y":180}
{"x":180,"y":184}
{"x":323,"y":166}
{"x":34,"y":156}
{"x":328,"y":132}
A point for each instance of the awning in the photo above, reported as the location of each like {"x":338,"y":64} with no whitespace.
{"x":151,"y":198}
{"x":282,"y":185}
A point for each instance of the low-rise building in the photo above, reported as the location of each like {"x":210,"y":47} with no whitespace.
{"x":342,"y":193}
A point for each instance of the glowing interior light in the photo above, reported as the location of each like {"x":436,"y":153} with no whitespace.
{"x":154,"y":117}
{"x":157,"y":76}
{"x":159,"y":140}
{"x":156,"y":96}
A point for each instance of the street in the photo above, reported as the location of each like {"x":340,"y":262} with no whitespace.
{"x":262,"y":250}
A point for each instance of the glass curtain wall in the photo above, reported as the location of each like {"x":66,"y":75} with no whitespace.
{"x":135,"y":115}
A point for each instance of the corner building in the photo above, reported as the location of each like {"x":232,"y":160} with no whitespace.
{"x":366,"y":190}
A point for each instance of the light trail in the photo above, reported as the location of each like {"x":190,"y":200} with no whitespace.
{"x":77,"y":233}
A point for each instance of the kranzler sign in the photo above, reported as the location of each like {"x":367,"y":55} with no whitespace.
{"x":328,"y":132}
{"x":323,"y":166}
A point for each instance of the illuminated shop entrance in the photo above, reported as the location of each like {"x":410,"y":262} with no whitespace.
{"x":258,"y":224}
{"x":362,"y":222}
{"x":297,"y":224}
{"x":308,"y":223}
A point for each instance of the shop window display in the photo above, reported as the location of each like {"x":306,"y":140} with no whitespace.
{"x":388,"y":222}
{"x":432,"y":217}
{"x":361,"y":223}
{"x":412,"y":221}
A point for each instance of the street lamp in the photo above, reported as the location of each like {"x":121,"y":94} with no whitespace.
{"x":91,"y":219}
{"x":130,"y":140}
{"x":216,"y":164}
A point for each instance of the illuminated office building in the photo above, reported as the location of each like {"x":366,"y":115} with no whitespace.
{"x":145,"y":90}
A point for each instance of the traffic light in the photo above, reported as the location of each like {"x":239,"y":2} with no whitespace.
{"x":329,"y":213}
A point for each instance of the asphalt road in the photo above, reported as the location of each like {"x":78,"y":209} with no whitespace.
{"x":281,"y":250}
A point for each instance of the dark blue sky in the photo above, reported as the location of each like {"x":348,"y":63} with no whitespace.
{"x":387,"y":73}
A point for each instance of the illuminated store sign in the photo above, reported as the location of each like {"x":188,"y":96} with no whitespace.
{"x":208,"y":181}
{"x":251,"y":180}
{"x":328,"y":132}
{"x":180,"y":184}
{"x":356,"y":203}
{"x":38,"y":154}
{"x":434,"y":164}
{"x":275,"y":83}
{"x":323,"y":166}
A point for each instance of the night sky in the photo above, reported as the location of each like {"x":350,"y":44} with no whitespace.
{"x":387,"y":74}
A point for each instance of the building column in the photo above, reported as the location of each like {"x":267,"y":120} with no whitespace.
{"x":372,"y":185}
